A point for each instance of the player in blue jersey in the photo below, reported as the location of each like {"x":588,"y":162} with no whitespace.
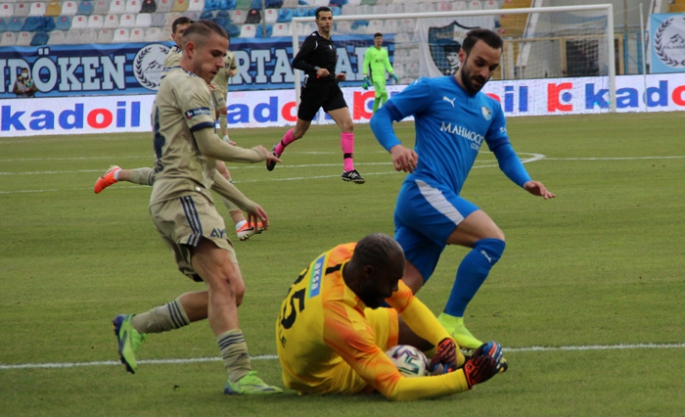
{"x":452,"y":120}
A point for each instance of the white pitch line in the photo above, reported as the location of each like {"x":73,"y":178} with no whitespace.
{"x":54,"y":365}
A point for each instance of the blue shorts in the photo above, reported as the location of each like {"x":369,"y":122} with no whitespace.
{"x":425,"y":217}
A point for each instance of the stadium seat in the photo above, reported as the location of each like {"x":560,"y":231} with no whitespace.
{"x":281,"y":29}
{"x":24,"y":39}
{"x":223,"y":14}
{"x":117,"y":7}
{"x":53,"y":9}
{"x":101,"y":7}
{"x":271,"y":15}
{"x":21,"y":10}
{"x":233,"y":30}
{"x":196,"y":5}
{"x":379,"y":9}
{"x":149,"y":6}
{"x":475,"y":5}
{"x":120,"y":36}
{"x":290,"y":4}
{"x":57,"y":37}
{"x":127,"y":21}
{"x":63,"y":23}
{"x":490,"y":5}
{"x":260,"y":31}
{"x":359,"y":26}
{"x":111,"y":21}
{"x":96,"y":21}
{"x":40,"y":39}
{"x":89,"y":36}
{"x":459,"y":6}
{"x":69,"y":8}
{"x":253,"y":16}
{"x":73,"y":37}
{"x":6,"y":10}
{"x":105,"y":36}
{"x":273,"y":4}
{"x":143,"y":20}
{"x":194,"y":16}
{"x":228,"y":4}
{"x":211,"y":5}
{"x":137,"y":35}
{"x":396,"y":8}
{"x":307,"y":28}
{"x":336,"y":11}
{"x":301,"y":12}
{"x":32,"y":24}
{"x":85,"y":8}
{"x":207,"y":14}
{"x":256,"y":4}
{"x":132,"y":6}
{"x":248,"y":31}
{"x":79,"y":22}
{"x":15,"y":24}
{"x":37,"y":9}
{"x":158,"y":20}
{"x":180,"y":6}
{"x":164,"y":6}
{"x":390,"y":26}
{"x":238,"y":16}
{"x":342,"y":27}
{"x":170,"y":17}
{"x":444,"y":6}
{"x":284,"y":15}
{"x":154,"y":35}
{"x":374,"y":26}
{"x":8,"y":39}
{"x":3,"y":25}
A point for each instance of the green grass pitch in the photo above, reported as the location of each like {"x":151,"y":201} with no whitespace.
{"x":595,"y":275}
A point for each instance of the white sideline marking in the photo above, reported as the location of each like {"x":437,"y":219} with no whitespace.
{"x":273,"y":357}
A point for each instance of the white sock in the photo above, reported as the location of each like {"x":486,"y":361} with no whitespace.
{"x":240,"y":224}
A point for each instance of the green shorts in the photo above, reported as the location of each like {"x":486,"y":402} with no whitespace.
{"x":183,"y":222}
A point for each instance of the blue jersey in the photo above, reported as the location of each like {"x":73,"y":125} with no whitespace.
{"x":451,"y":125}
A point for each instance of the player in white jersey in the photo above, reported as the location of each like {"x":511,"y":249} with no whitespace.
{"x":184,"y":214}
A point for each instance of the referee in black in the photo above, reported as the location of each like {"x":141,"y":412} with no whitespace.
{"x":317,"y":58}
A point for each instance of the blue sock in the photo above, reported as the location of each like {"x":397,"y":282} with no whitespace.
{"x":473,"y":270}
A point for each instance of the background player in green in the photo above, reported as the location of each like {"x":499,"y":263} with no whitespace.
{"x":376,"y":63}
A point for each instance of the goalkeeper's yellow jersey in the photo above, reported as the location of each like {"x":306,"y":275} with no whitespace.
{"x":322,"y":332}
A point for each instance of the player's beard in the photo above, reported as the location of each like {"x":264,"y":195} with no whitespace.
{"x":467,"y":78}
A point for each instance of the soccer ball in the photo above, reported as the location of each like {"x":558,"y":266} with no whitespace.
{"x":409,"y":360}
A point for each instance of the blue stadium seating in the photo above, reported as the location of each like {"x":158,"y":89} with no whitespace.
{"x":233,"y":30}
{"x":32,"y":24}
{"x":223,"y":14}
{"x":274,"y":4}
{"x":85,"y":8}
{"x":63,"y":23}
{"x":211,"y":5}
{"x":260,"y":31}
{"x":335,"y":10}
{"x":228,"y":4}
{"x":3,"y":25}
{"x":15,"y":24}
{"x":40,"y":38}
{"x":301,"y":12}
{"x":285,"y":15}
{"x":207,"y":14}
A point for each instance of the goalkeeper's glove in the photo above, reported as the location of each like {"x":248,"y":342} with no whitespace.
{"x":485,"y":363}
{"x":394,"y":77}
{"x":445,"y":354}
{"x":366,"y":83}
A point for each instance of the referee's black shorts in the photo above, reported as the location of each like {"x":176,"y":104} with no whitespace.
{"x":316,"y":95}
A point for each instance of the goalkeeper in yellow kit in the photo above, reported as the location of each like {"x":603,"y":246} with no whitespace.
{"x":331,"y":334}
{"x":376,"y":63}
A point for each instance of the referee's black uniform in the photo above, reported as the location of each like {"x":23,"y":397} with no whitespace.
{"x":318,"y":52}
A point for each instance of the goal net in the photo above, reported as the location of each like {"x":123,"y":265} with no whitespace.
{"x":539,"y":43}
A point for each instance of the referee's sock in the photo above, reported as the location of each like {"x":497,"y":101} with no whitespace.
{"x":287,"y":140}
{"x":347,"y":145}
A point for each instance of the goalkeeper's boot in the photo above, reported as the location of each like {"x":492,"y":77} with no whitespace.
{"x":129,"y":341}
{"x":270,"y":165}
{"x":455,"y":327}
{"x":245,"y":231}
{"x":250,"y":384}
{"x":106,"y":180}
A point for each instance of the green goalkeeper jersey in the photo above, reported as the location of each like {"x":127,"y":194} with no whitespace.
{"x":376,"y":62}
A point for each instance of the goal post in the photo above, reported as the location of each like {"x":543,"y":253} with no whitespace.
{"x":539,"y":43}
